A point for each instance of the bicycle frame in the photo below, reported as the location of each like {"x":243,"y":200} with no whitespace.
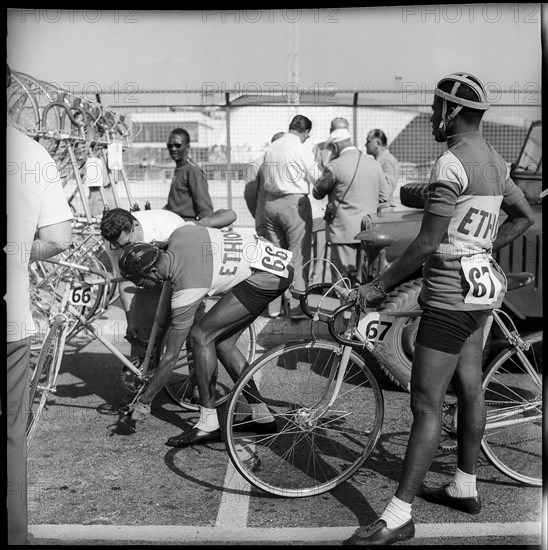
{"x":69,"y":311}
{"x":356,"y":335}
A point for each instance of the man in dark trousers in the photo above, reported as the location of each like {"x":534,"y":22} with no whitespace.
{"x":189,"y":194}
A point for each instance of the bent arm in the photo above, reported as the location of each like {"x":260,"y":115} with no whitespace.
{"x":219,"y":219}
{"x":50,"y":240}
{"x":174,"y":342}
{"x":520,"y":218}
{"x":431,"y":233}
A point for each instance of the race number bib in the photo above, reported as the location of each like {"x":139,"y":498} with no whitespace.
{"x":272,"y":259}
{"x":484,"y":287}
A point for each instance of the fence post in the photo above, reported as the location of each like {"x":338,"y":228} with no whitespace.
{"x":228,"y":170}
{"x":355,"y":116}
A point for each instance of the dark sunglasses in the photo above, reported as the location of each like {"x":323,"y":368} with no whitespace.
{"x":176,"y":145}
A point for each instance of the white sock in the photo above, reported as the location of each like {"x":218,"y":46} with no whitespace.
{"x":208,"y":420}
{"x":396,"y":513}
{"x":260,"y":413}
{"x":463,"y":485}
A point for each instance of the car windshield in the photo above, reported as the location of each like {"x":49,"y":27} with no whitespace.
{"x":530,"y":159}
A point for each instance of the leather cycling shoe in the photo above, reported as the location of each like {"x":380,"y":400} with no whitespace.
{"x":192,"y":437}
{"x":249,"y":425}
{"x":378,"y":534}
{"x":470,"y":505}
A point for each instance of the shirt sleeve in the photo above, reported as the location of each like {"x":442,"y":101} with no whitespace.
{"x":324,"y":184}
{"x":312,"y":168}
{"x":55,"y":208}
{"x":512,"y":193}
{"x":203,"y":205}
{"x":384,"y":187}
{"x":447,"y":182}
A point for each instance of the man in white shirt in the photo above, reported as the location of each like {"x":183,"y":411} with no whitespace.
{"x":289,"y":172}
{"x":38,"y":227}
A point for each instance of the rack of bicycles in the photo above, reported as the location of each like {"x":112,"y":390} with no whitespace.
{"x":85,"y":138}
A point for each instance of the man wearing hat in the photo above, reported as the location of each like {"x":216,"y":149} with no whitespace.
{"x":354,"y":184}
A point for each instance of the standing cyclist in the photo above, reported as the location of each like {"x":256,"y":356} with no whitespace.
{"x":200,"y":261}
{"x":469,"y":184}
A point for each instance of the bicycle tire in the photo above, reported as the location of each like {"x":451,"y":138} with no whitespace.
{"x":515,"y":449}
{"x":395,"y":353}
{"x":305,"y":456}
{"x":181,"y":388}
{"x":44,"y":375}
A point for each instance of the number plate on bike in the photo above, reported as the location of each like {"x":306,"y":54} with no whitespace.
{"x":373,"y":326}
{"x":271,"y":258}
{"x":80,"y":296}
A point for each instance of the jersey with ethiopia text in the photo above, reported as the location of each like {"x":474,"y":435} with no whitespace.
{"x":469,"y":182}
{"x":202,"y":261}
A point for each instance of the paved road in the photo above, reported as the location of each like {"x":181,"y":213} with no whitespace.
{"x":90,"y":483}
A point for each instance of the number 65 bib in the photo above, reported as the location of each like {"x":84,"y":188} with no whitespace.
{"x":484,"y":287}
{"x":271,"y":258}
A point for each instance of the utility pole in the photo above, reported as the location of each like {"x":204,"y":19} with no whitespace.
{"x":293,"y":85}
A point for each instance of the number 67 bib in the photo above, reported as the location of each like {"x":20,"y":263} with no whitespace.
{"x":484,"y":287}
{"x":271,"y":258}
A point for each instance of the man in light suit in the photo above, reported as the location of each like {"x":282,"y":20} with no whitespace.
{"x":355,"y":185}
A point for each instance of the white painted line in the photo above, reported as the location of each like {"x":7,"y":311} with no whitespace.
{"x":234,"y":501}
{"x":188,"y":535}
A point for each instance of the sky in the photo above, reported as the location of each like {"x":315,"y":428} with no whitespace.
{"x":341,"y":48}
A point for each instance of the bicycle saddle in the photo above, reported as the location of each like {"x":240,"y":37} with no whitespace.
{"x":517,"y":280}
{"x":375,"y":237}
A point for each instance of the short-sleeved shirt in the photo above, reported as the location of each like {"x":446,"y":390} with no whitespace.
{"x":469,"y":182}
{"x":202,"y":261}
{"x":34,"y":199}
{"x":157,"y":225}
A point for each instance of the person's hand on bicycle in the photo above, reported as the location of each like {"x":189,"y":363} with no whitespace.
{"x":369,"y":295}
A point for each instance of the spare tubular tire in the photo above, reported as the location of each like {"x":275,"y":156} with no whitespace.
{"x":414,"y":195}
{"x":395,"y":354}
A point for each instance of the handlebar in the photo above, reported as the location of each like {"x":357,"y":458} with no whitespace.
{"x":302,"y":296}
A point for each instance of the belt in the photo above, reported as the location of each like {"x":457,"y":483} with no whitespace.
{"x":286,"y":194}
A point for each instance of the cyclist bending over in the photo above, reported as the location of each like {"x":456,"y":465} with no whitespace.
{"x":246,"y":271}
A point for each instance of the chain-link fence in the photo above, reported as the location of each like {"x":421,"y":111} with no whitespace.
{"x":230,"y":130}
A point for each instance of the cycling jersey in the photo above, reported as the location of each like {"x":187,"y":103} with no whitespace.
{"x":202,"y":261}
{"x":469,"y":182}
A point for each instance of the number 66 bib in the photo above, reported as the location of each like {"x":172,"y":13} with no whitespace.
{"x":484,"y":287}
{"x":271,"y":258}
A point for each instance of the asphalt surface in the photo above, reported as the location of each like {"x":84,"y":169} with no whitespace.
{"x":91,"y":483}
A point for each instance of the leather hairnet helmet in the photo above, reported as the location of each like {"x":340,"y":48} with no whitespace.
{"x":458,"y":80}
{"x":137,"y":260}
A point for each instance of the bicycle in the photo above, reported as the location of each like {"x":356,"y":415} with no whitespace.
{"x":66,"y":316}
{"x":329,"y":406}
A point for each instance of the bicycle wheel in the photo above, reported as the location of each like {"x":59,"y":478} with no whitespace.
{"x":315,"y":447}
{"x":44,"y":374}
{"x":182,"y":388}
{"x":513,"y":393}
